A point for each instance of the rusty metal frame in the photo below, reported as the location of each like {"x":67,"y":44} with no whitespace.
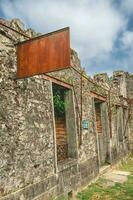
{"x":78,"y":113}
{"x":128,"y":118}
{"x":57,"y":81}
{"x":130,"y":103}
{"x":81,"y":107}
{"x":110,"y":113}
{"x":12,"y":29}
{"x":25,"y":35}
{"x":43,"y":35}
{"x":89,"y":79}
{"x":98,"y":96}
{"x":45,"y":53}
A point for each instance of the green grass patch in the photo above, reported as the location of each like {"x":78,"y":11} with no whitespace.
{"x":61,"y":198}
{"x":127,"y":165}
{"x":100,"y":191}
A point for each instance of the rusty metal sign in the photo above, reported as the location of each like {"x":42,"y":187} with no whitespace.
{"x":43,"y":54}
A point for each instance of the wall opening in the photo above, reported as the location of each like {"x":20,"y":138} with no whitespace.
{"x":126,"y":129}
{"x":98,"y":117}
{"x":102,"y":130}
{"x":125,"y":122}
{"x":120,"y":124}
{"x":64,"y":122}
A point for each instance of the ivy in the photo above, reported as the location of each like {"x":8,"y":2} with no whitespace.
{"x":59,"y":94}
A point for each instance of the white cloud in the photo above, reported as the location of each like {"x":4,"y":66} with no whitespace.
{"x":127,"y":6}
{"x":127,"y":45}
{"x":94,"y":24}
{"x":127,"y":40}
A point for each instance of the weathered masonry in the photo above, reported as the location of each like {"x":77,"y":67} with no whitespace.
{"x":58,"y":131}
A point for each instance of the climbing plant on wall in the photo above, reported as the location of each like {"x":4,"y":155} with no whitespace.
{"x":59,"y":94}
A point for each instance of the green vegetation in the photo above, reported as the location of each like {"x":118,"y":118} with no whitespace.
{"x":100,"y":190}
{"x":59,"y":94}
{"x":61,"y":198}
{"x":127,"y":165}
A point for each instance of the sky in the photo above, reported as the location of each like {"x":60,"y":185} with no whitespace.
{"x":101,"y":30}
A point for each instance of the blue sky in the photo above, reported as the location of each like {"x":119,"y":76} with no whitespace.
{"x":101,"y":30}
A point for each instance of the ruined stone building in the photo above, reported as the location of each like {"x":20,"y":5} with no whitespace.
{"x":58,"y":131}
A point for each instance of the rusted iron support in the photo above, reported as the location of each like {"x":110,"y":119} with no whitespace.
{"x":93,"y":82}
{"x":89,"y":79}
{"x":110,"y":113}
{"x":7,"y":35}
{"x":119,"y":105}
{"x":98,"y":96}
{"x":81,"y":107}
{"x":69,"y":86}
{"x":127,"y":120}
{"x":109,"y":103}
{"x":57,"y":81}
{"x":77,"y":105}
{"x":12,"y":29}
{"x":130,"y":102}
{"x":43,"y":35}
{"x":77,"y":113}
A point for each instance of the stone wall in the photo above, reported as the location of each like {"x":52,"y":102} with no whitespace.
{"x":117,"y":106}
{"x":129,"y":80}
{"x":27,"y":154}
{"x":28,"y":167}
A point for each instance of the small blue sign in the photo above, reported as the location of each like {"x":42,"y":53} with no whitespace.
{"x":85,"y":124}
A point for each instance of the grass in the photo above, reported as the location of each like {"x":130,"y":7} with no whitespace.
{"x":100,"y":191}
{"x":61,"y":198}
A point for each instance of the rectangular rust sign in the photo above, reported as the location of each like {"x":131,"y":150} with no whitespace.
{"x":46,"y":53}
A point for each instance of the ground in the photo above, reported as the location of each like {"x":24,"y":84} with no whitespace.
{"x":104,"y":189}
{"x":113,"y":185}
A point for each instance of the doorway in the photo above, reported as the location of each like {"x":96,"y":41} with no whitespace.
{"x":102,"y":131}
{"x":65,"y":125}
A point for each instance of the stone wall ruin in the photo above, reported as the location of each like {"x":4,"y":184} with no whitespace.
{"x":29,"y":169}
